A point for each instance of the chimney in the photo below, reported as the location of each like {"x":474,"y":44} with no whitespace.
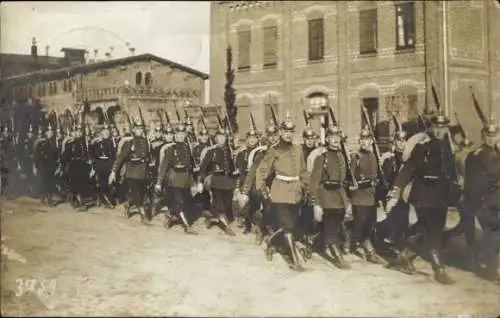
{"x":34,"y":52}
{"x":47,"y":50}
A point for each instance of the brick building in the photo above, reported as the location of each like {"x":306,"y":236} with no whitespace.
{"x":300,"y":55}
{"x":123,"y":83}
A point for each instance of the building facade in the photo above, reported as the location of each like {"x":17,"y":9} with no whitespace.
{"x":298,"y":55}
{"x":144,"y":81}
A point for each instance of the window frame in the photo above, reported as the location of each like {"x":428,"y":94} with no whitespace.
{"x":406,"y":25}
{"x":374,"y":48}
{"x":274,"y":61}
{"x":246,"y":48}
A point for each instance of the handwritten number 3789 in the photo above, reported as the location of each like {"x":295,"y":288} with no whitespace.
{"x":43,"y":287}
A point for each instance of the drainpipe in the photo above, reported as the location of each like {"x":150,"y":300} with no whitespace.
{"x":445,"y":57}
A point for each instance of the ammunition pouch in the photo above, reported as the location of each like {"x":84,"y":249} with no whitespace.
{"x":332,"y":184}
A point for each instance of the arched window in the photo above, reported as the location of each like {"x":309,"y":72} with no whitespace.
{"x":270,"y":30}
{"x":70,"y":85}
{"x":55,"y":88}
{"x":318,"y":100}
{"x":39,"y":90}
{"x":65,"y":86}
{"x":138,"y":78}
{"x":148,"y":79}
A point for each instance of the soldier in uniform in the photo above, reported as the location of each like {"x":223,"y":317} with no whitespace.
{"x":78,"y":162}
{"x":286,"y":162}
{"x":482,"y":198}
{"x":431,"y":167}
{"x":201,"y":200}
{"x":104,"y":154}
{"x":247,"y":213}
{"x":176,"y":172}
{"x":135,"y":154}
{"x":217,"y":172}
{"x":26,"y":160}
{"x":364,"y":206}
{"x":45,"y":165}
{"x":6,"y":153}
{"x":328,"y":196}
{"x":394,"y":226}
{"x":265,"y":218}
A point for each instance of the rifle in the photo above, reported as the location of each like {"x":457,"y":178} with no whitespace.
{"x":343,"y":148}
{"x":143,"y":123}
{"x":306,"y":119}
{"x":177,"y":114}
{"x":460,"y":128}
{"x":273,"y":115}
{"x":161,"y":119}
{"x":167,"y":117}
{"x":376,"y":149}
{"x":231,"y":136}
{"x":478,"y":109}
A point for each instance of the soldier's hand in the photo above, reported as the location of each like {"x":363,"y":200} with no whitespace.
{"x":18,"y":167}
{"x":353,"y":188}
{"x":318,"y":213}
{"x":158,"y":188}
{"x":391,"y":204}
{"x":243,"y":199}
{"x":92,"y":173}
{"x":348,"y":212}
{"x":112,"y":177}
{"x":35,"y":171}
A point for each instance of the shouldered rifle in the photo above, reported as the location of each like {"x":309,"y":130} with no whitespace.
{"x":143,"y":123}
{"x":273,"y":115}
{"x":343,"y":148}
{"x":161,"y":119}
{"x":376,"y":149}
{"x":460,"y":127}
{"x":478,"y":109}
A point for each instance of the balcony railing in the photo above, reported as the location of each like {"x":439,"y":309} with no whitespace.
{"x":110,"y":92}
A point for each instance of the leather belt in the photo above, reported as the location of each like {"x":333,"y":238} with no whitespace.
{"x":365,"y":183}
{"x":180,"y":169}
{"x":287,"y":178}
{"x":103,"y":157}
{"x":137,"y":160}
{"x":332,"y":184}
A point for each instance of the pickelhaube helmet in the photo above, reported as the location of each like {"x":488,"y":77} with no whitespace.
{"x":180,"y":128}
{"x":252,"y":133}
{"x":334,"y":131}
{"x":440,"y":120}
{"x":189,"y":122}
{"x":400,"y":135}
{"x":40,"y":130}
{"x":203,"y":132}
{"x":287,"y":124}
{"x":158,"y":127}
{"x":220,"y":131}
{"x":169,"y":130}
{"x":365,"y":133}
{"x":138,"y":123}
{"x":308,"y":133}
{"x":490,"y":128}
{"x":49,"y":128}
{"x":30,"y":130}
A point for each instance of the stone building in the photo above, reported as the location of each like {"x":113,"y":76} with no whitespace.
{"x":126,"y":83}
{"x":299,"y":55}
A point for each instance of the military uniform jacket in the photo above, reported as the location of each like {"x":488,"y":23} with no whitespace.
{"x":482,"y":178}
{"x":104,"y":154}
{"x":286,"y":162}
{"x":460,"y":158}
{"x":219,"y":164}
{"x":431,"y":167}
{"x":25,"y":150}
{"x":176,"y":165}
{"x":326,"y":183}
{"x":365,"y":168}
{"x":135,"y":154}
{"x":45,"y":154}
{"x":156,"y":145}
{"x":242,"y":164}
{"x":249,"y":183}
{"x":76,"y":149}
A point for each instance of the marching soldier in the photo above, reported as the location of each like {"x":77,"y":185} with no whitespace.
{"x":135,"y":154}
{"x":431,"y":167}
{"x":78,"y":163}
{"x":104,"y":154}
{"x":482,"y":195}
{"x":265,"y":218}
{"x":176,"y":172}
{"x":217,"y":172}
{"x":201,"y":200}
{"x":328,"y":196}
{"x":45,"y":165}
{"x":286,"y":161}
{"x":364,"y":206}
{"x":26,"y":159}
{"x":168,"y":135}
{"x":244,"y":220}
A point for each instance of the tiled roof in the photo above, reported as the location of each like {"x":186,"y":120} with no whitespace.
{"x":86,"y":68}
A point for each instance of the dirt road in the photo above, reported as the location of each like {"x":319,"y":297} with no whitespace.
{"x":59,"y":262}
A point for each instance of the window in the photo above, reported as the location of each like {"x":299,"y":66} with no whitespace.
{"x":138,"y":78}
{"x":405,"y":26}
{"x":318,"y":100}
{"x":70,"y":86}
{"x":44,"y":89}
{"x":65,"y":86}
{"x":30,"y":91}
{"x":55,"y":87}
{"x":316,"y":37}
{"x":368,"y":31}
{"x":371,"y":105}
{"x":270,"y":41}
{"x":148,"y":79}
{"x":244,"y":50}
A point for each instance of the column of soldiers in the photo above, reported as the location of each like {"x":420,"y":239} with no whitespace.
{"x":295,"y":198}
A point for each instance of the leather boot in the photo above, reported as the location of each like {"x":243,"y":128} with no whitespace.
{"x":270,"y":247}
{"x":338,"y":257}
{"x":295,"y":257}
{"x":440,"y":274}
{"x":259,"y":237}
{"x":229,"y":231}
{"x":187,"y":228}
{"x":371,"y":255}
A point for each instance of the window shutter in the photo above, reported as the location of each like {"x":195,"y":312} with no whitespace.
{"x":244,"y":50}
{"x":316,"y":39}
{"x":368,"y":31}
{"x":270,"y":42}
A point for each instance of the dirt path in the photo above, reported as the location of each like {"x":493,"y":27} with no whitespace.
{"x":99,"y":263}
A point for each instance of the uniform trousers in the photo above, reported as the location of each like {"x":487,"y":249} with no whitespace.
{"x":364,"y":219}
{"x":287,"y":214}
{"x":136,"y":191}
{"x":181,"y":200}
{"x":331,"y":225}
{"x":431,"y":222}
{"x":489,"y":219}
{"x":221,"y":202}
{"x":395,"y":224}
{"x":47,"y":179}
{"x":78,"y":172}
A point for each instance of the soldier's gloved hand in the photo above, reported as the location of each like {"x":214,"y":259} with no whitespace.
{"x":236,"y":194}
{"x":35,"y":171}
{"x":158,"y":188}
{"x":243,"y":199}
{"x":391,"y":203}
{"x":92,"y":173}
{"x":348,"y":212}
{"x":112,"y":177}
{"x":318,"y":213}
{"x":353,"y":188}
{"x":200,"y":187}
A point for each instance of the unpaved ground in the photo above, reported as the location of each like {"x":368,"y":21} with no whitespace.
{"x":104,"y":264}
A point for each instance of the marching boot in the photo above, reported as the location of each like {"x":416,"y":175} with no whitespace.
{"x":210,"y":220}
{"x":259,"y":237}
{"x":337,"y":256}
{"x":270,"y":247}
{"x":144,"y":216}
{"x":187,"y":228}
{"x":295,"y":257}
{"x":371,"y":255}
{"x":440,"y":274}
{"x":81,"y":205}
{"x":169,"y":220}
{"x":229,"y":231}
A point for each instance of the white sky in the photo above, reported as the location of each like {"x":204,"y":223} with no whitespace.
{"x":179,"y":31}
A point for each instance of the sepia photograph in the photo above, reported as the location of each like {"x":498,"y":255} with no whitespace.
{"x":250,"y":158}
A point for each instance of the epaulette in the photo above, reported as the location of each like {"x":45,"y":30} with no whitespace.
{"x":386,"y":155}
{"x":205,"y":151}
{"x":163,"y":150}
{"x":312,"y":157}
{"x":252,"y":154}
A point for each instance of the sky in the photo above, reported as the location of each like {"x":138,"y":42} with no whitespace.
{"x":178,"y":31}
